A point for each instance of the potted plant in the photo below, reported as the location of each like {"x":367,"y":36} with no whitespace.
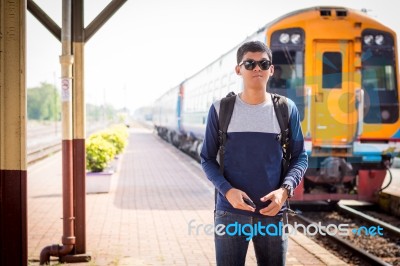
{"x":101,"y":151}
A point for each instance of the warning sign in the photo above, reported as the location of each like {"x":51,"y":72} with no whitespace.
{"x":65,"y":90}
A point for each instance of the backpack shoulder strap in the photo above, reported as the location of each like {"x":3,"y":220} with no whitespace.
{"x":224,"y":117}
{"x":225,"y":112}
{"x":282,"y":115}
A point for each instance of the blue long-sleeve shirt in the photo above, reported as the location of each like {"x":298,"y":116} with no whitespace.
{"x":253,"y":154}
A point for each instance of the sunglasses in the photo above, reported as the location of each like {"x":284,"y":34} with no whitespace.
{"x":250,"y":64}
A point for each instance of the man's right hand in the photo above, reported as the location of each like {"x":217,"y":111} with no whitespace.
{"x":235,"y":198}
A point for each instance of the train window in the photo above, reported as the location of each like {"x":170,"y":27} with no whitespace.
{"x":378,"y":72}
{"x":224,"y":80}
{"x":332,"y":70}
{"x":379,"y":83}
{"x":288,"y":70}
{"x":216,"y":84}
{"x":288,"y":78}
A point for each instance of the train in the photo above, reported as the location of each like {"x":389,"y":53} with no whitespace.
{"x":340,"y":67}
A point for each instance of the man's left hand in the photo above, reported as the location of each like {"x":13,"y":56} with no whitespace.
{"x":278,"y":198}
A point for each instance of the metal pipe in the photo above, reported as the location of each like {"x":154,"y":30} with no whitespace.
{"x":55,"y":251}
{"x":66,"y":60}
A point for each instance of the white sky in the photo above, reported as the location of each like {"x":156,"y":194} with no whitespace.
{"x":149,"y":46}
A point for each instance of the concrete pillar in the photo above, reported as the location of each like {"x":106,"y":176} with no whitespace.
{"x":13,"y":174}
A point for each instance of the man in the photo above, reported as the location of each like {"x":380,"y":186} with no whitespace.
{"x":252,"y":164}
{"x":277,"y":82}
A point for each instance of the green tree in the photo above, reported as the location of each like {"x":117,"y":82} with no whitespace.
{"x":105,"y":112}
{"x":43,"y":102}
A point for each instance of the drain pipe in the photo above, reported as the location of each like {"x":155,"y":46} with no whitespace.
{"x":66,"y":60}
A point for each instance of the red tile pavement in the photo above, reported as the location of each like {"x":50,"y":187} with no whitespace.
{"x":144,"y":218}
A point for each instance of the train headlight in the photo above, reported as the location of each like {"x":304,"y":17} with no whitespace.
{"x":368,"y":39}
{"x":284,"y":38}
{"x":379,"y":39}
{"x":295,"y":38}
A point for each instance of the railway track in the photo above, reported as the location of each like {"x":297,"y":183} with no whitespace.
{"x":357,"y":256}
{"x":366,"y":240}
{"x":43,"y":152}
{"x":52,"y":144}
{"x":387,"y":227}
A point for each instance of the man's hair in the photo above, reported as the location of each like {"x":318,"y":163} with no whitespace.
{"x":253,"y":46}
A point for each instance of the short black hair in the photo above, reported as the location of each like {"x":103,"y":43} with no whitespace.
{"x":252,"y":46}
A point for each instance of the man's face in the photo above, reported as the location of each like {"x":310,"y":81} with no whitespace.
{"x":278,"y":73}
{"x":257,"y":77}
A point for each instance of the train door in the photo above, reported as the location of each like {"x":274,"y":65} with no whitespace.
{"x":333,"y":97}
{"x":179,"y":108}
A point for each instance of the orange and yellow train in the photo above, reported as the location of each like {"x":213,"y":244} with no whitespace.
{"x":340,"y":67}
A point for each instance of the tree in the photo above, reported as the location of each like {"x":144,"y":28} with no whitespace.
{"x":44,"y":102}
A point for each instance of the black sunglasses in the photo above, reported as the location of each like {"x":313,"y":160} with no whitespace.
{"x":250,"y":64}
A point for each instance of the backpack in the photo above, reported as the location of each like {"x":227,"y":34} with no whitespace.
{"x":282,"y":114}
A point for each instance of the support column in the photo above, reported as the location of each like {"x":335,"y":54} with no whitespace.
{"x":79,"y":134}
{"x":13,"y":174}
{"x":67,"y":60}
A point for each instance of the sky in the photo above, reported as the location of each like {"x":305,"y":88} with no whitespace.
{"x":150,"y":46}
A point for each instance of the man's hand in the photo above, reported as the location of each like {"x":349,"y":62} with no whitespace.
{"x":235,"y":198}
{"x":278,"y":198}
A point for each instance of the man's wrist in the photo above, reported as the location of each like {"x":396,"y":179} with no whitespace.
{"x":289,"y":190}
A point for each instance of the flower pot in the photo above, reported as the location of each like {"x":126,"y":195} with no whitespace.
{"x":98,"y":182}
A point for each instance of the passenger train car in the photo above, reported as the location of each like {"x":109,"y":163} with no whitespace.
{"x":340,"y":68}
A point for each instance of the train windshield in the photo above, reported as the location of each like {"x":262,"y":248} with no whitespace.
{"x":288,"y":78}
{"x":380,"y":86}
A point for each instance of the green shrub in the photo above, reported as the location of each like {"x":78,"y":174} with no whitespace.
{"x":102,"y":147}
{"x":99,"y":152}
{"x":117,"y":137}
{"x":121,"y":130}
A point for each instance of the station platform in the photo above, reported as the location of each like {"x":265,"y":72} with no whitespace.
{"x":144,"y":218}
{"x":389,"y":199}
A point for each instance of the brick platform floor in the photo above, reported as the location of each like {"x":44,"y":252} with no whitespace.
{"x":144,"y":219}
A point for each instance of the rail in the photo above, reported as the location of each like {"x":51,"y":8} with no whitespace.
{"x":362,"y":254}
{"x":43,"y":152}
{"x":46,"y":149}
{"x":367,"y":218}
